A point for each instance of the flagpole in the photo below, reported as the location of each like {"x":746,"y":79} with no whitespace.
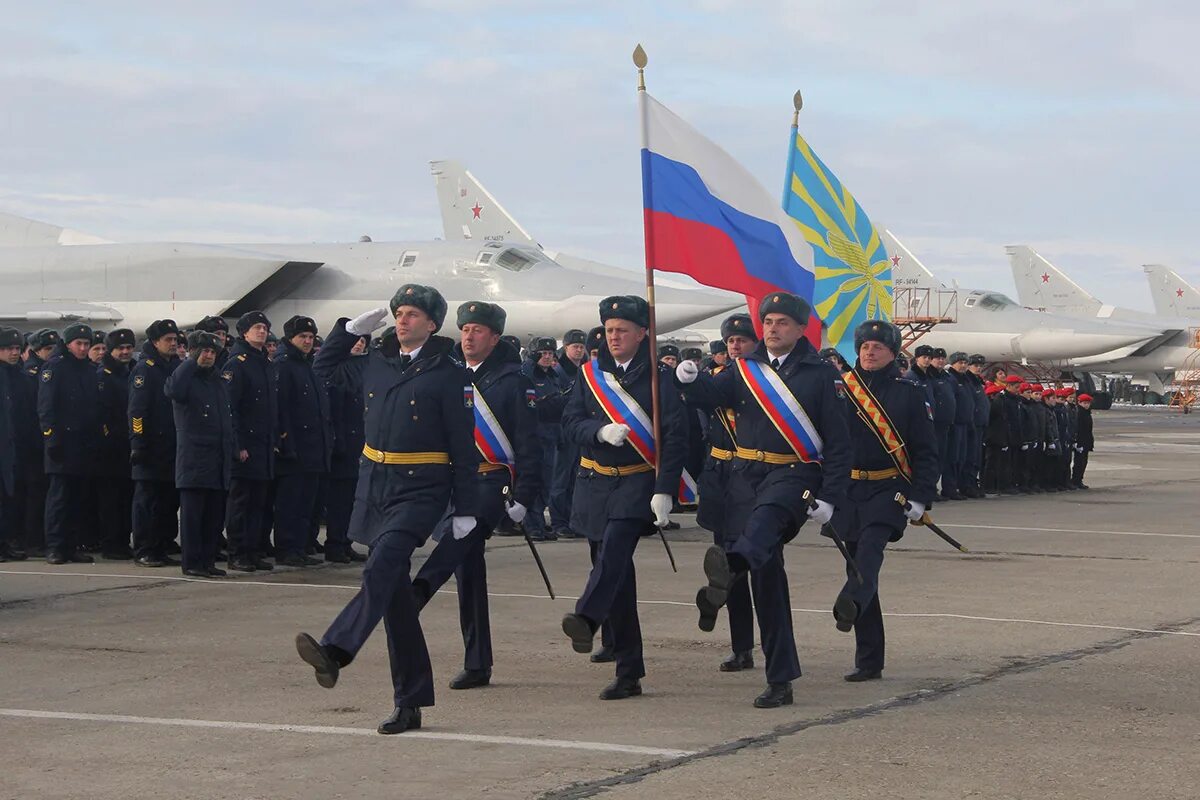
{"x":640,"y":60}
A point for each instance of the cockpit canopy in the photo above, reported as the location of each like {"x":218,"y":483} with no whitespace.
{"x":991,"y":301}
{"x":509,"y":256}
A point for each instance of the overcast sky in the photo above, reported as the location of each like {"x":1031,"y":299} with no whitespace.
{"x":962,"y":126}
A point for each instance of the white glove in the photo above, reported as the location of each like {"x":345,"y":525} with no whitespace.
{"x":1003,"y":449}
{"x":462,"y":526}
{"x":1053,"y":445}
{"x":660,"y":507}
{"x":516,"y":512}
{"x":822,"y":513}
{"x":686,"y":372}
{"x":368,"y":322}
{"x":1024,"y":447}
{"x":1078,"y":448}
{"x":613,"y":433}
{"x":915,"y":511}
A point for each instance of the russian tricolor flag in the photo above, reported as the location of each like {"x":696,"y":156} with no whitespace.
{"x":707,"y":217}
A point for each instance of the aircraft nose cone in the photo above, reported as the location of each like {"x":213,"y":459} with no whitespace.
{"x":1055,"y":343}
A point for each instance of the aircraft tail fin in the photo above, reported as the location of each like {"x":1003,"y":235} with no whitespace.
{"x":21,"y":232}
{"x":1042,"y":285}
{"x":907,"y":269}
{"x":468,"y":210}
{"x":1173,"y":296}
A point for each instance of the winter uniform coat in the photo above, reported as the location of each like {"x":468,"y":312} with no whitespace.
{"x":71,"y":415}
{"x":305,"y":426}
{"x":419,"y":408}
{"x":151,"y":418}
{"x":115,"y":376}
{"x":945,"y":407}
{"x":250,"y":376}
{"x":21,"y":409}
{"x":599,"y":498}
{"x":343,"y":382}
{"x":204,"y":436}
{"x":1083,"y":430}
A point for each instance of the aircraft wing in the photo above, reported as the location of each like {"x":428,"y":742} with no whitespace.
{"x":21,"y":232}
{"x":52,"y":314}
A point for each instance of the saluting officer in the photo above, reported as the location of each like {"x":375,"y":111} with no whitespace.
{"x":152,"y":448}
{"x":218,"y":327}
{"x":251,"y":379}
{"x":23,"y":445}
{"x":505,"y":408}
{"x":894,"y":451}
{"x":739,"y":338}
{"x":783,"y":385}
{"x":41,"y":346}
{"x":305,"y":442}
{"x":420,"y":458}
{"x":204,"y":453}
{"x":114,"y":486}
{"x":343,"y":378}
{"x":72,"y":428}
{"x":618,"y":497}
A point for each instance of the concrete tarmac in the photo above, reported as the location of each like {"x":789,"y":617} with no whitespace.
{"x":1059,"y":659}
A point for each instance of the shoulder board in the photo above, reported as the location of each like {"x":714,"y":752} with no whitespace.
{"x":149,"y":362}
{"x":241,"y":357}
{"x":909,"y":381}
{"x":455,"y":361}
{"x":107,"y":371}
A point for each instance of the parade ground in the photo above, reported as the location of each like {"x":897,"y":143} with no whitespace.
{"x":1059,"y":659}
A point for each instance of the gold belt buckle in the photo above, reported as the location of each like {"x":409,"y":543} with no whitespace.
{"x":759,"y":455}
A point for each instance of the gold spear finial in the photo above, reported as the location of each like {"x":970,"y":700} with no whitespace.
{"x":798,"y":103}
{"x":640,"y":61}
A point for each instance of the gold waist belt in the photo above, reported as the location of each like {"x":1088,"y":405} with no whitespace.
{"x":768,"y":458}
{"x":874,"y":474}
{"x":721,"y":455}
{"x":383,"y":457}
{"x":485,"y":466}
{"x":614,"y":472}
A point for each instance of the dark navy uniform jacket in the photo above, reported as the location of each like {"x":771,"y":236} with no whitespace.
{"x":1083,"y":430}
{"x":1031,"y":421}
{"x":204,"y":427}
{"x":979,"y":400}
{"x":553,"y":388}
{"x":305,"y":426}
{"x":713,"y":480}
{"x":964,"y":400}
{"x":151,"y":419}
{"x":921,"y":378}
{"x":115,"y":376}
{"x":250,"y":376}
{"x":421,"y":408}
{"x":513,"y":400}
{"x":874,"y":502}
{"x":343,"y":380}
{"x":9,"y":389}
{"x":818,"y":388}
{"x":21,"y":409}
{"x":1010,"y":406}
{"x":599,"y":498}
{"x":944,"y":405}
{"x":71,"y":415}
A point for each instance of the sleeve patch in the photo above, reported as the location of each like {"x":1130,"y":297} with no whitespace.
{"x":46,"y":376}
{"x":139,"y":381}
{"x":469,"y":396}
{"x":531,"y":398}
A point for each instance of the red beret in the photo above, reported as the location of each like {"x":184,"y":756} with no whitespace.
{"x":1049,"y":393}
{"x":1014,"y":379}
{"x":1026,"y":387}
{"x":1085,"y":398}
{"x":1037,"y":387}
{"x":1065,"y":392}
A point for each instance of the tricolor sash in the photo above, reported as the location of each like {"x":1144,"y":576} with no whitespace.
{"x":490,"y":439}
{"x":874,"y":417}
{"x":620,"y":407}
{"x":782,"y":408}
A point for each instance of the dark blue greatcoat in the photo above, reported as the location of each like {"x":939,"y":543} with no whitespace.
{"x":9,"y":389}
{"x":21,"y":409}
{"x":250,"y":376}
{"x":115,"y":376}
{"x":816,"y":386}
{"x":343,"y":379}
{"x":873,"y":502}
{"x":203,"y":427}
{"x":71,"y":415}
{"x":305,"y":427}
{"x":945,"y":403}
{"x":151,"y":419}
{"x":600,"y":498}
{"x":419,"y":408}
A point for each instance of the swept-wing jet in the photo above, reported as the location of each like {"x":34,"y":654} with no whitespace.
{"x":57,"y":276}
{"x":1041,"y":285}
{"x":991,"y":323}
{"x":1172,"y":295}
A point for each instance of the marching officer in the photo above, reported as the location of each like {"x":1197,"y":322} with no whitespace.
{"x":894,"y":451}
{"x":571,"y":356}
{"x":114,"y":486}
{"x":420,"y":458}
{"x":204,"y":453}
{"x":551,"y":385}
{"x":791,"y":429}
{"x":505,"y":409}
{"x":69,"y":411}
{"x":618,"y":496}
{"x":250,"y":375}
{"x":41,"y":346}
{"x":739,"y":339}
{"x":152,"y":447}
{"x":305,"y":442}
{"x":343,"y":377}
